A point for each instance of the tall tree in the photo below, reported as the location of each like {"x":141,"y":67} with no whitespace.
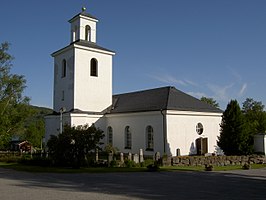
{"x":233,"y":139}
{"x":13,"y":105}
{"x":210,"y":101}
{"x":255,"y":116}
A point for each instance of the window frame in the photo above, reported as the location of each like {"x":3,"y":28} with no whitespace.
{"x":87,"y":33}
{"x":149,"y":138}
{"x":128,"y":138}
{"x":94,"y":67}
{"x":110,"y":135}
{"x":63,"y":68}
{"x":199,"y":128}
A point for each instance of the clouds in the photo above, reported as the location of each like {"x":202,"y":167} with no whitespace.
{"x":243,"y":90}
{"x":229,"y":86}
{"x":170,"y":79}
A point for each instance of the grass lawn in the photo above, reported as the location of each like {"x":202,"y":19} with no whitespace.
{"x":38,"y":169}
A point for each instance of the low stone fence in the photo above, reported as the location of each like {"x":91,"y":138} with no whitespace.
{"x":214,"y":160}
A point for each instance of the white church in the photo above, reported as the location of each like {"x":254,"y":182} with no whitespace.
{"x":163,"y":120}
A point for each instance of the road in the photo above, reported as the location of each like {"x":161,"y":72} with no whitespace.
{"x":233,"y":185}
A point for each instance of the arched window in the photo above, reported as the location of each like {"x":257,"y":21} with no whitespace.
{"x":88,"y":33}
{"x":128,"y":138}
{"x":149,"y":139}
{"x":94,"y":67}
{"x":64,"y":66}
{"x":110,"y":135}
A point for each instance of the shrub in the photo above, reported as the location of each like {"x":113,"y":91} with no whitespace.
{"x":153,"y":167}
{"x":130,"y":163}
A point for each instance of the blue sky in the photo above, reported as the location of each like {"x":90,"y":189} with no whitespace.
{"x":212,"y":48}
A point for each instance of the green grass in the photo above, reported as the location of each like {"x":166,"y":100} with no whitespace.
{"x":38,"y":169}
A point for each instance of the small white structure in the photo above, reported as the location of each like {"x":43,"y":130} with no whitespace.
{"x":260,"y":143}
{"x":156,"y":120}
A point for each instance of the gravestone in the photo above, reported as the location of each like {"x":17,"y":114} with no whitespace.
{"x":136,"y":158}
{"x":157,"y":156}
{"x":141,"y":158}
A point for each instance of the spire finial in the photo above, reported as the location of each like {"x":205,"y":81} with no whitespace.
{"x":83,"y":9}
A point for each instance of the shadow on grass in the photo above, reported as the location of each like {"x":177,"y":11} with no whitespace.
{"x":164,"y":184}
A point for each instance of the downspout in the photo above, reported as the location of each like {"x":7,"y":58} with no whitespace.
{"x":164,"y":130}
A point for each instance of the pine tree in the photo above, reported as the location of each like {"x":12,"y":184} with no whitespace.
{"x":233,"y":139}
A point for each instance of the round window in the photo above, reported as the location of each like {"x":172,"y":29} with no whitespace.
{"x":199,"y":128}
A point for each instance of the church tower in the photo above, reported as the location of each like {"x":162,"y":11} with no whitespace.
{"x":82,"y":78}
{"x":82,"y":70}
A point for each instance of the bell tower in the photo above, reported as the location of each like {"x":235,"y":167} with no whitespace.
{"x":83,"y":69}
{"x":83,"y":27}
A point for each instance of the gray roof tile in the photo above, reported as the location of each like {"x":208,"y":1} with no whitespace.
{"x":165,"y":98}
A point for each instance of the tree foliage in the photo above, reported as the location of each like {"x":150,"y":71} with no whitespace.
{"x":71,"y":147}
{"x":210,"y":101}
{"x":255,"y":116}
{"x":234,"y":139}
{"x":13,"y":105}
{"x":34,"y":126}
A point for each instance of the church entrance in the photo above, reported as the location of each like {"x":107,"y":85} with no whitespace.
{"x":202,"y":146}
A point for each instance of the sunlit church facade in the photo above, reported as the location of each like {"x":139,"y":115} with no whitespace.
{"x":163,"y":120}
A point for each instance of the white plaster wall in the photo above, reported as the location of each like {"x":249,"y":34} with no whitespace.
{"x":92,"y":93}
{"x":52,"y":122}
{"x":137,"y":123}
{"x":82,"y":119}
{"x":260,"y":143}
{"x":52,"y":125}
{"x":181,"y":130}
{"x":66,"y":83}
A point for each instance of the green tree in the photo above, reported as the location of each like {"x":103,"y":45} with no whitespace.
{"x":234,"y":139}
{"x":71,"y":147}
{"x":13,"y":105}
{"x":35,"y":126}
{"x":255,"y":116}
{"x":210,"y":101}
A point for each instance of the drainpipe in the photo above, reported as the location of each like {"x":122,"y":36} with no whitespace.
{"x":164,"y":130}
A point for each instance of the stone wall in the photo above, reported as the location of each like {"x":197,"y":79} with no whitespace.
{"x":214,"y":160}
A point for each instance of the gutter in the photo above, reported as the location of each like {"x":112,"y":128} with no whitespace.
{"x":164,"y":130}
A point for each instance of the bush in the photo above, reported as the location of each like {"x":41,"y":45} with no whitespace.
{"x":36,"y":161}
{"x":147,"y":162}
{"x":10,"y":157}
{"x":113,"y":163}
{"x":130,"y":163}
{"x":153,"y":167}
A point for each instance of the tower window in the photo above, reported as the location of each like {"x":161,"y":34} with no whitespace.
{"x":94,"y":67}
{"x":63,"y":95}
{"x":64,"y":64}
{"x":88,"y":33}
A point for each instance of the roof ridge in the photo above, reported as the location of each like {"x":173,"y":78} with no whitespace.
{"x":167,"y":98}
{"x":144,"y":90}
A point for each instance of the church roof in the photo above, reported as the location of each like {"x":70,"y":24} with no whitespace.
{"x":165,"y":98}
{"x":85,"y":44}
{"x":83,"y":14}
{"x":91,"y":45}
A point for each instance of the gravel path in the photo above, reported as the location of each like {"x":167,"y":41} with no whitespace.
{"x":240,"y":184}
